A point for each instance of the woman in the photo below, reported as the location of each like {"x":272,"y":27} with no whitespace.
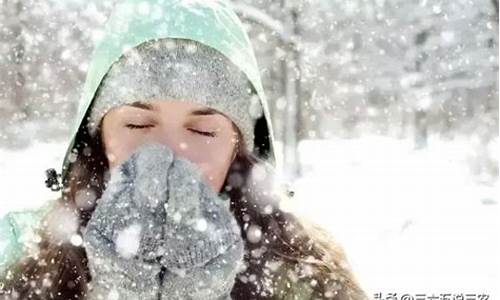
{"x":167,"y":182}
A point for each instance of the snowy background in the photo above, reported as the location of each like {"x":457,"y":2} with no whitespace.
{"x":386,"y":113}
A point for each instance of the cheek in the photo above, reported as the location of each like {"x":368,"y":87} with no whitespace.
{"x":213,"y":164}
{"x":214,"y":174}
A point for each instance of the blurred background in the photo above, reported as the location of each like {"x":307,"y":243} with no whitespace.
{"x":385,"y":112}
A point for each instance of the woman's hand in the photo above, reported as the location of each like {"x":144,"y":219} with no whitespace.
{"x":159,"y":226}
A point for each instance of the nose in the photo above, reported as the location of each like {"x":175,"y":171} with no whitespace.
{"x":170,"y":137}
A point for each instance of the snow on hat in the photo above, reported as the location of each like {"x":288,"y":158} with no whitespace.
{"x":180,"y":69}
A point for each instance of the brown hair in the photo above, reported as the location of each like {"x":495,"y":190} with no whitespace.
{"x":60,"y":271}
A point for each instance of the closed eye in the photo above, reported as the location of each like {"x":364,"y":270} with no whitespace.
{"x":206,"y":133}
{"x":136,"y":126}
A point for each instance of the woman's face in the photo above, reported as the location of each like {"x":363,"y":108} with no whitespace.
{"x":195,"y":132}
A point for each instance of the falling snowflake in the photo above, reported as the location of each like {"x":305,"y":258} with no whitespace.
{"x":128,"y":241}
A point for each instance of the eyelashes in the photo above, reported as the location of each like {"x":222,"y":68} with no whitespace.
{"x":204,"y":133}
{"x":134,"y":126}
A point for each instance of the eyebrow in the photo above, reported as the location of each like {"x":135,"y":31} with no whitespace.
{"x":206,"y":111}
{"x":141,"y":105}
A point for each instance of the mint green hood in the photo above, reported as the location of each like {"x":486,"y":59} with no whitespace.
{"x":133,"y":22}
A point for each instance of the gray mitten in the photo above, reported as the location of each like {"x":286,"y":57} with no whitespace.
{"x":202,"y":241}
{"x":157,"y":226}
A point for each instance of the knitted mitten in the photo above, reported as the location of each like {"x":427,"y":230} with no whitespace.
{"x":202,"y":242}
{"x":157,"y":226}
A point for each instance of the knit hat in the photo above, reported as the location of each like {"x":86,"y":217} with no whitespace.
{"x":183,"y":70}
